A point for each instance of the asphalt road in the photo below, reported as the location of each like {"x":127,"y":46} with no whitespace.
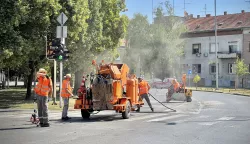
{"x":210,"y":118}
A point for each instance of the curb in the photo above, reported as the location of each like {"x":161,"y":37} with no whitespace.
{"x":224,"y":93}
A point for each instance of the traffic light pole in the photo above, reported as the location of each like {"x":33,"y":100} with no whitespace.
{"x":61,"y":74}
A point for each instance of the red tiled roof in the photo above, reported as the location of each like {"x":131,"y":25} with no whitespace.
{"x":229,"y":21}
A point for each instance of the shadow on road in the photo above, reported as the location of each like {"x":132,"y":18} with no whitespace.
{"x":18,"y":128}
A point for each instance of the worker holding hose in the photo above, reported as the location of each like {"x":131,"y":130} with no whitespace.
{"x":143,"y":92}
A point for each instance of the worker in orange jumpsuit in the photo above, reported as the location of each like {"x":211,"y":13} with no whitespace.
{"x":144,"y":87}
{"x":65,"y":94}
{"x":42,"y":90}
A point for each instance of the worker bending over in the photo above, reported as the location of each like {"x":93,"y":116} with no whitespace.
{"x":42,"y":90}
{"x":176,"y":85}
{"x":65,"y":94}
{"x":143,"y":92}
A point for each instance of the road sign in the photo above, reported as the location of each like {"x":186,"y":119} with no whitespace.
{"x":189,"y":71}
{"x":61,"y":32}
{"x":62,"y":18}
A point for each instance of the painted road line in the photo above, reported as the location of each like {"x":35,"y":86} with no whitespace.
{"x":225,"y":118}
{"x":217,"y":121}
{"x":166,"y":118}
{"x":145,"y":117}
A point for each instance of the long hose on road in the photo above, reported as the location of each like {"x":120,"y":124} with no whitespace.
{"x":162,"y":103}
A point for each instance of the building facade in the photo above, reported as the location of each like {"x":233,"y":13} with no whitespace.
{"x":233,"y":40}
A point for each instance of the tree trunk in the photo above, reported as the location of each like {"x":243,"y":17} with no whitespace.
{"x":78,"y":79}
{"x":16,"y":81}
{"x":30,"y":79}
{"x":242,"y":80}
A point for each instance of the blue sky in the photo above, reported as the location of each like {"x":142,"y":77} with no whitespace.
{"x":195,"y":7}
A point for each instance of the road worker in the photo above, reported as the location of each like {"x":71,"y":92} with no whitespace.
{"x":42,"y":90}
{"x":65,"y":94}
{"x":144,"y":87}
{"x":176,"y":85}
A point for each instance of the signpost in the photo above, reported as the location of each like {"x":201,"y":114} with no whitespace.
{"x":61,"y":32}
{"x":189,"y":73}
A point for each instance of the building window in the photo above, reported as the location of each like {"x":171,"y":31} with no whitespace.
{"x":231,"y":68}
{"x":233,"y":46}
{"x":196,"y":68}
{"x":196,"y":48}
{"x":213,"y":69}
{"x":212,"y":48}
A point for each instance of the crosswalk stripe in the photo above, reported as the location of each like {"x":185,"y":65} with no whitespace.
{"x":166,"y":118}
{"x":146,"y":117}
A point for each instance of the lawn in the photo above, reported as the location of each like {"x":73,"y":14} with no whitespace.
{"x":14,"y":99}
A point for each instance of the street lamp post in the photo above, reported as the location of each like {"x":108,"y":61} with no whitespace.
{"x":216,"y":45}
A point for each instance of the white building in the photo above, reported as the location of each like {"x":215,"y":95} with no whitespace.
{"x":233,"y":40}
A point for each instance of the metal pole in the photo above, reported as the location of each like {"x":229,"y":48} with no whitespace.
{"x":61,"y":75}
{"x":216,"y":45}
{"x":152,"y":11}
{"x":189,"y":80}
{"x":173,"y":7}
{"x":54,"y":80}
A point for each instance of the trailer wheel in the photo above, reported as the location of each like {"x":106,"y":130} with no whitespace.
{"x":126,"y":114}
{"x":189,"y":99}
{"x":85,"y":114}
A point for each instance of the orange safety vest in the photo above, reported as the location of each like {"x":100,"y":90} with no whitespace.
{"x":65,"y":86}
{"x":176,"y":86}
{"x":43,"y":86}
{"x":143,"y":87}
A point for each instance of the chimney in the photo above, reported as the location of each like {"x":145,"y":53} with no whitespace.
{"x":225,"y":12}
{"x":198,"y":16}
{"x":242,"y":11}
{"x":191,"y":15}
{"x":208,"y":15}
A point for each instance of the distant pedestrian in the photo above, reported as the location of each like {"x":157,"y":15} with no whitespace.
{"x":143,"y":92}
{"x":42,"y":90}
{"x":66,"y":92}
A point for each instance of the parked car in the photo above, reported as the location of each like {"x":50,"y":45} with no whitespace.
{"x":159,"y":84}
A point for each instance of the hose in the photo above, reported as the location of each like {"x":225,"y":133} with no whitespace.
{"x":162,"y":103}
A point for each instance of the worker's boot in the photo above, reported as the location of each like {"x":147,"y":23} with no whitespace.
{"x":45,"y":125}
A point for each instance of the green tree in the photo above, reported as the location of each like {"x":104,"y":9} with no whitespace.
{"x":166,"y":42}
{"x":241,"y":70}
{"x":105,"y":28}
{"x":196,"y":79}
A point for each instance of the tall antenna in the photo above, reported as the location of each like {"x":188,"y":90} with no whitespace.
{"x":205,"y":9}
{"x":185,"y":5}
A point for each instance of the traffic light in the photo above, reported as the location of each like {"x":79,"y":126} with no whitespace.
{"x":57,"y":50}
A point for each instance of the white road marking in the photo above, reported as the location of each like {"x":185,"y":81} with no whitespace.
{"x":166,"y":118}
{"x":225,"y":118}
{"x":146,"y":117}
{"x":217,"y":121}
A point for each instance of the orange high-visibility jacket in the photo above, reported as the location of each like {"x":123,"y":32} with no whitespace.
{"x":65,"y":86}
{"x":43,"y":87}
{"x":143,"y":87}
{"x":176,"y":85}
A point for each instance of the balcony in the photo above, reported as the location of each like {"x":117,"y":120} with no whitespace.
{"x":229,"y":55}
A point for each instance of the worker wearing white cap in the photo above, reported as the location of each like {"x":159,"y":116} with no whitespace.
{"x":65,"y":94}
